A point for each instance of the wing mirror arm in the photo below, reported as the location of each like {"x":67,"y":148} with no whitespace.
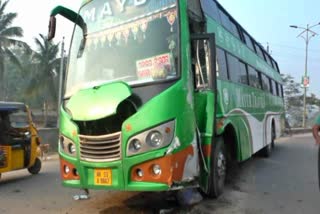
{"x":68,"y":14}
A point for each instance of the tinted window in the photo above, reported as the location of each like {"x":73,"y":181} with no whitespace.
{"x":280,"y":90}
{"x":234,"y":29}
{"x":225,"y":21}
{"x":222,"y":72}
{"x":210,"y":8}
{"x":259,"y":51}
{"x":272,"y":87}
{"x":243,"y":73}
{"x":254,"y":79}
{"x":268,"y":59}
{"x":248,"y":41}
{"x":228,"y":24}
{"x":265,"y":83}
{"x":276,"y":85}
{"x":233,"y":68}
{"x":275,"y":65}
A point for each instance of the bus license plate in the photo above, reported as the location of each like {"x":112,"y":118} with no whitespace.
{"x":103,"y":177}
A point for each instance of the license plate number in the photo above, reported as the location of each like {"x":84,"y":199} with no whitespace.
{"x":103,"y":177}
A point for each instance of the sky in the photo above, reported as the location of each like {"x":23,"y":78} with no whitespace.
{"x":267,"y":21}
{"x":35,"y":21}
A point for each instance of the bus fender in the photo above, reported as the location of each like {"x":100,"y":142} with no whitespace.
{"x":221,"y":124}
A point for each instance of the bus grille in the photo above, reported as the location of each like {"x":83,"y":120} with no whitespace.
{"x":100,"y":148}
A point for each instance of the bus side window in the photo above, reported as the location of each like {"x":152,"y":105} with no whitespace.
{"x":265,"y":83}
{"x":221,"y":64}
{"x":210,"y":8}
{"x":254,"y":79}
{"x":233,"y":68}
{"x":282,"y":92}
{"x":243,"y":78}
{"x":276,"y":88}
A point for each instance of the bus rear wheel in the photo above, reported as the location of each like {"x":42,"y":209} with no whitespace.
{"x":218,"y":169}
{"x":266,"y":151}
{"x":273,"y":137}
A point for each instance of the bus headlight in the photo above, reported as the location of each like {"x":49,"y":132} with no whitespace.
{"x":155,"y":138}
{"x":71,"y":148}
{"x":135,"y":145}
{"x":67,"y":146}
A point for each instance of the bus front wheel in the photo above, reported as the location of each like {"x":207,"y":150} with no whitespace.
{"x":218,"y":169}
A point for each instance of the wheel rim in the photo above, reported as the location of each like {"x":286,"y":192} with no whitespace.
{"x":221,"y":165}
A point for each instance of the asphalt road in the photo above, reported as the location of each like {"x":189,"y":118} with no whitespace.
{"x":284,"y":183}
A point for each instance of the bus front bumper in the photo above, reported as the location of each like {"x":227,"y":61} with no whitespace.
{"x":158,"y":174}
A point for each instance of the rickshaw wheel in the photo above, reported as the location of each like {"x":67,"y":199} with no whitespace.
{"x":35,"y":169}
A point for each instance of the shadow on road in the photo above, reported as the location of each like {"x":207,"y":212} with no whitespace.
{"x":147,"y":202}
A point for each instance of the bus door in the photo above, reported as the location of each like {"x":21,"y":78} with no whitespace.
{"x":205,"y":97}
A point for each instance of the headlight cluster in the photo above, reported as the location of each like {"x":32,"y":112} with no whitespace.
{"x":155,"y":138}
{"x":67,"y":146}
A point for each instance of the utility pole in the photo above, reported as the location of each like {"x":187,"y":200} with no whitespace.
{"x":307,"y":34}
{"x":60,"y":81}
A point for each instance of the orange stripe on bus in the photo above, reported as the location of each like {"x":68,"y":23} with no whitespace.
{"x":172,"y":168}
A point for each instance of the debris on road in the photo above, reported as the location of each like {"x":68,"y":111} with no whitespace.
{"x":82,"y":196}
{"x":188,"y":197}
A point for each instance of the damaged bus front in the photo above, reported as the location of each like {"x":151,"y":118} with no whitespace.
{"x":128,"y":118}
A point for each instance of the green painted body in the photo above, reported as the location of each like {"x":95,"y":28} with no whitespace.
{"x":189,"y":108}
{"x":98,"y":102}
{"x":170,"y":104}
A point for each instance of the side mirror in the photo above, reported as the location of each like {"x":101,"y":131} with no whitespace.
{"x":68,"y":14}
{"x":52,"y":28}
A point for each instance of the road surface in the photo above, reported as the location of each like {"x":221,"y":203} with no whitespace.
{"x":284,"y":183}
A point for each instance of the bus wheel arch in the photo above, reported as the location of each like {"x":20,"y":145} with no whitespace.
{"x":230,"y":139}
{"x":267,"y":150}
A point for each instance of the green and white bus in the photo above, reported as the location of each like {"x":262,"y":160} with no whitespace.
{"x":163,"y":95}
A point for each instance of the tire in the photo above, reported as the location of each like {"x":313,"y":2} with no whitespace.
{"x":273,"y":137}
{"x":35,"y":169}
{"x":267,"y":150}
{"x":218,"y":169}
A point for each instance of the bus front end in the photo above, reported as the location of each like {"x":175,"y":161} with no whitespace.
{"x":127,"y":120}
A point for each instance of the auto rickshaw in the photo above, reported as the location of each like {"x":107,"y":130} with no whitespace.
{"x":19,"y":140}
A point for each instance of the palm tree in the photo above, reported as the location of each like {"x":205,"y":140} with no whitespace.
{"x":8,"y":34}
{"x":45,"y":64}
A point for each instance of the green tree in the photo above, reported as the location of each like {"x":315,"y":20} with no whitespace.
{"x":294,"y":102}
{"x":292,"y":91}
{"x":44,"y":72}
{"x":8,"y":35}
